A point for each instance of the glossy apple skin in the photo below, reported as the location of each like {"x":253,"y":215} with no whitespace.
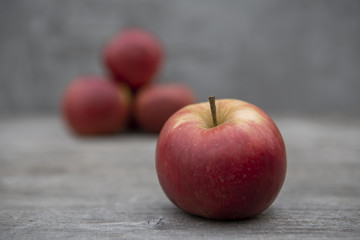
{"x":133,"y":57}
{"x":232,"y":171}
{"x":93,"y":105}
{"x":155,"y":104}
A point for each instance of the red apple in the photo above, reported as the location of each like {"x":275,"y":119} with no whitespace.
{"x":133,"y":56}
{"x":233,"y":169}
{"x":93,"y":105}
{"x":155,"y":104}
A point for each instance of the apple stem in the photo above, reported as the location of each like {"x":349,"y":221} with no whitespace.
{"x":213,"y":109}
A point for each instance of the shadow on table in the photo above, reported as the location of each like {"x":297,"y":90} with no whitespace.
{"x":176,"y":219}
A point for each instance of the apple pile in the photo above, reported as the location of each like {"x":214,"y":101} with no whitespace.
{"x":226,"y":161}
{"x":129,"y":96}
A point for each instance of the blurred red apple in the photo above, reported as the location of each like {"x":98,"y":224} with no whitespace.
{"x":133,"y":56}
{"x":155,"y":104}
{"x":93,"y":105}
{"x":230,"y":168}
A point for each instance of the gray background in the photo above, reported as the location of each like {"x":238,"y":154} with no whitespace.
{"x":284,"y":56}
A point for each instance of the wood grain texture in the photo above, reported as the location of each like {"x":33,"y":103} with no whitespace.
{"x":57,"y":186}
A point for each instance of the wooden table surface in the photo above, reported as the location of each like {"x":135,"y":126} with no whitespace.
{"x":57,"y":186}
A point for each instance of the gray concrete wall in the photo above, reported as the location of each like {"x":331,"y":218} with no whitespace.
{"x":285,"y":56}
